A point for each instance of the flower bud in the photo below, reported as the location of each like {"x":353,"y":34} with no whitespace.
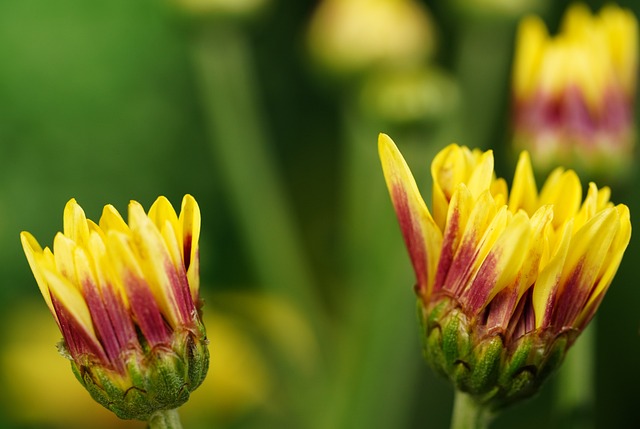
{"x":126,"y":300}
{"x":348,"y":37}
{"x":506,"y":280}
{"x":573,"y":94}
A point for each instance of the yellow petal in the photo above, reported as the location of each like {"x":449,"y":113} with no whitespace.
{"x":540,"y":221}
{"x":503,"y":261}
{"x":190,"y":222}
{"x":162,"y":211}
{"x":154,"y":259}
{"x":531,"y":39}
{"x":72,"y":300}
{"x":34,"y":254}
{"x":524,"y":193}
{"x":589,"y":247}
{"x":111,"y":220}
{"x":564,"y":191}
{"x":611,"y":263}
{"x":63,"y":249}
{"x":75,"y":222}
{"x":482,"y":175}
{"x":421,"y":235}
{"x":549,"y":277}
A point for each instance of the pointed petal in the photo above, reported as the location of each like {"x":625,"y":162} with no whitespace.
{"x":588,"y":250}
{"x":75,"y":222}
{"x":544,"y":290}
{"x":448,"y":169}
{"x":111,"y":220}
{"x":99,"y":314}
{"x":524,"y":193}
{"x":63,"y":248}
{"x":421,"y":235}
{"x":484,"y":225}
{"x":502,"y":264}
{"x":530,"y":41}
{"x":610,"y":266}
{"x":459,"y":211}
{"x":482,"y":175}
{"x":75,"y":308}
{"x":156,"y":264}
{"x":190,"y":221}
{"x":162,"y":211}
{"x":142,"y":299}
{"x":34,"y":254}
{"x":564,"y":191}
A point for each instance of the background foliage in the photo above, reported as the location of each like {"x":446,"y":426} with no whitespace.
{"x":104,"y":101}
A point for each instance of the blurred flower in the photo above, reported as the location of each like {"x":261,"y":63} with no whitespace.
{"x":350,"y":36}
{"x":573,"y":94}
{"x":506,"y":281}
{"x":126,"y":300}
{"x":248,"y":328}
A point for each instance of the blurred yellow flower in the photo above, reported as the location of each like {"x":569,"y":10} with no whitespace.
{"x":506,"y":281}
{"x":239,"y":381}
{"x":573,"y":94}
{"x":349,"y":36}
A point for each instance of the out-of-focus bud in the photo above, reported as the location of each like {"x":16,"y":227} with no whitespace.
{"x":506,"y":281}
{"x":573,"y":94}
{"x":410,"y":95}
{"x":126,"y":300}
{"x":348,"y":37}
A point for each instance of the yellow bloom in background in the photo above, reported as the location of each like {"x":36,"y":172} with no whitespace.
{"x":350,"y":36}
{"x":126,"y":300}
{"x":506,"y":280}
{"x":573,"y":94}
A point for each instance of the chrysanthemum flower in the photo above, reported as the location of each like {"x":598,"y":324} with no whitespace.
{"x":125,"y":297}
{"x":573,"y":94}
{"x":505,"y":280}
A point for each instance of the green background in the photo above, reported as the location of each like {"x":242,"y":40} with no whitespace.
{"x":100,"y":101}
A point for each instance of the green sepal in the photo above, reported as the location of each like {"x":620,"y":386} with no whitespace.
{"x":158,"y":379}
{"x":486,"y":370}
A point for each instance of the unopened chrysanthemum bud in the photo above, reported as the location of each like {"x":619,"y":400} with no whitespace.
{"x":506,"y":281}
{"x":126,"y":300}
{"x":573,"y":94}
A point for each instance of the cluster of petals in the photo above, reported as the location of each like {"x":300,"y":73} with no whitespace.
{"x":573,"y":93}
{"x":516,"y":260}
{"x":117,"y":289}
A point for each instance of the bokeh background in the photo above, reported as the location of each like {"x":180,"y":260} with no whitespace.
{"x":268,"y":113}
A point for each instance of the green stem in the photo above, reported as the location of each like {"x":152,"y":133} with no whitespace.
{"x":483,"y":79}
{"x":379,"y":328}
{"x":224,"y":71}
{"x":165,"y":419}
{"x":468,"y":414}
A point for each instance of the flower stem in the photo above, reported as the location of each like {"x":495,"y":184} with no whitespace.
{"x":243,"y":155}
{"x":165,"y":419}
{"x":468,"y":414}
